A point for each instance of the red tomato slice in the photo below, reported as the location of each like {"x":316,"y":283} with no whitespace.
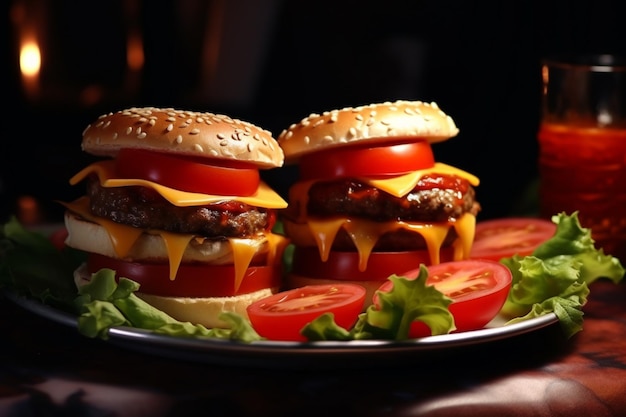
{"x":502,"y":238}
{"x":478,"y":289}
{"x":374,"y":161}
{"x":188,"y":173}
{"x":345,"y":265}
{"x":281,"y":316}
{"x":192,"y":280}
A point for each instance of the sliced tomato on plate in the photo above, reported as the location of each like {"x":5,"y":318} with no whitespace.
{"x":187,"y":173}
{"x":374,"y":161}
{"x":502,"y":238}
{"x":478,"y":289}
{"x":281,"y":316}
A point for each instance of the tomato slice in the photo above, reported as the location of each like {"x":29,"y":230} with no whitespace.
{"x":188,"y":173}
{"x":375,"y":161}
{"x":502,"y":238}
{"x":306,"y":262}
{"x":478,"y":289}
{"x":281,"y":316}
{"x":192,"y":280}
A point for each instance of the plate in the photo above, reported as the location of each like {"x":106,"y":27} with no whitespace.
{"x":311,"y":355}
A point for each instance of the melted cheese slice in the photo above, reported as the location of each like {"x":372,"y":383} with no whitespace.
{"x":403,"y":184}
{"x":124,"y":237}
{"x":365,"y":233}
{"x":105,"y":170}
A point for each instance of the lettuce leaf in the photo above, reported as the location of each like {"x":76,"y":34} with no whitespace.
{"x":408,"y":300}
{"x":32,"y":266}
{"x":556,"y":277}
{"x":104,"y":303}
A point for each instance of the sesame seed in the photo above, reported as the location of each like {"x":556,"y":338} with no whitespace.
{"x":179,"y":139}
{"x":169,"y":127}
{"x":197,"y":147}
{"x":142,"y":135}
{"x":129,"y":130}
{"x":194,"y":131}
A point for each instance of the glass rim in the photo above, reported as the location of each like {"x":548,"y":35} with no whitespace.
{"x":590,"y":62}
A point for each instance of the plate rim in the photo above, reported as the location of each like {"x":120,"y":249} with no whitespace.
{"x":127,"y":336}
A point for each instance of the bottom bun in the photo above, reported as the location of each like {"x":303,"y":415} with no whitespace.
{"x":296,"y":281}
{"x":204,"y":311}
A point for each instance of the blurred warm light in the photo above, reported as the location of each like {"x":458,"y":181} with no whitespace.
{"x":134,"y":52}
{"x":30,"y":59}
{"x":30,"y":64}
{"x":28,"y":210}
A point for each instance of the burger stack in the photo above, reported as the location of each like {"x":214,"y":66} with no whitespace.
{"x":371,"y":200}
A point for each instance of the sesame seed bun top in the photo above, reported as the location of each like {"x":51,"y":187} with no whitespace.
{"x":182,"y":132}
{"x":371,"y":124}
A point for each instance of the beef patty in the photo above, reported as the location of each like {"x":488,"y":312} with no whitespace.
{"x":144,"y":208}
{"x":435,"y":199}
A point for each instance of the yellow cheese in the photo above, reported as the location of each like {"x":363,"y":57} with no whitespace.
{"x":403,"y":184}
{"x":123,"y":238}
{"x":105,"y":170}
{"x":365,"y":233}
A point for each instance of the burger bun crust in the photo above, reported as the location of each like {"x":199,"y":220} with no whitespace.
{"x":199,"y":134}
{"x":372,"y":124}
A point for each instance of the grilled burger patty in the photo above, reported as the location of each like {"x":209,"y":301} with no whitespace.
{"x":434,"y":199}
{"x":144,"y":208}
{"x":438,"y":198}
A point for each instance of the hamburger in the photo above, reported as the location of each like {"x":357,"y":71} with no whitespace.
{"x":175,"y":202}
{"x":370,"y":200}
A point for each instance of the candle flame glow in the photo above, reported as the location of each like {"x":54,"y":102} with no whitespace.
{"x":30,"y":59}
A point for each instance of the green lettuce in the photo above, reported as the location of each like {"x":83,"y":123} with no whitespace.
{"x":407,"y":301}
{"x":104,"y":303}
{"x":556,"y":276}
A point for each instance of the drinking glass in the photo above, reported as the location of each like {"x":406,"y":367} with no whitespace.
{"x":582,"y":143}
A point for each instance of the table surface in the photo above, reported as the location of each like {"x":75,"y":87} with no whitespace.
{"x":47,"y":368}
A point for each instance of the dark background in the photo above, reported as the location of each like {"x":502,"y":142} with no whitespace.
{"x":273,"y":62}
